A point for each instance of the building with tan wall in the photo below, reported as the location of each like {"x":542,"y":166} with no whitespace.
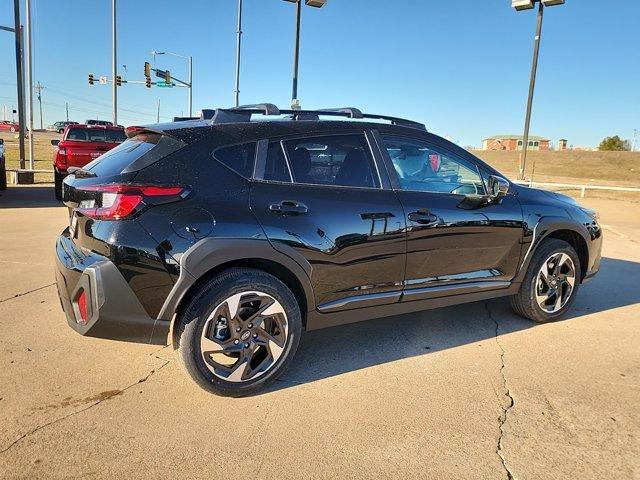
{"x":515,"y":142}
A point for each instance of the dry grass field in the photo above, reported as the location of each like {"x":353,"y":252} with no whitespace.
{"x":599,"y":168}
{"x":42,"y":152}
{"x":620,"y":169}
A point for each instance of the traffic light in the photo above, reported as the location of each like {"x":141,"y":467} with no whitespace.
{"x":118,"y":80}
{"x":167,"y":77}
{"x":91,"y":80}
{"x":147,"y":82}
{"x":147,"y":69}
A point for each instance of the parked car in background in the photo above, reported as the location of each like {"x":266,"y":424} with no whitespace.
{"x":236,"y":235}
{"x":60,"y":126}
{"x":80,"y":145}
{"x":6,"y":125}
{"x":99,"y":122}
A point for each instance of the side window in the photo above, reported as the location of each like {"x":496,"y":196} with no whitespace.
{"x":424,"y":168}
{"x":276,"y":169}
{"x":339,"y":160}
{"x":239,"y":158}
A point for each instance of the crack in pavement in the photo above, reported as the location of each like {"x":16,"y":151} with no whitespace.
{"x":98,"y":402}
{"x":502,"y":419}
{"x":27,"y":292}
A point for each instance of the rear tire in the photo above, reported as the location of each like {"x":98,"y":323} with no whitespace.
{"x":544,"y":294}
{"x":239,"y":332}
{"x":57,"y":185}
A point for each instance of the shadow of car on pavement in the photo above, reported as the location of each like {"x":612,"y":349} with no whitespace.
{"x":335,"y":351}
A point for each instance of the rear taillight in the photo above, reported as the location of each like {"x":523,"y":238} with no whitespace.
{"x":115,"y":202}
{"x":61,"y":157}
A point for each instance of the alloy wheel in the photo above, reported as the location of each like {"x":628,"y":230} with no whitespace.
{"x":244,"y":336}
{"x":555,"y":282}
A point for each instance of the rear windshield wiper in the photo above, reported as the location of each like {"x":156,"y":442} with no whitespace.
{"x":80,"y":172}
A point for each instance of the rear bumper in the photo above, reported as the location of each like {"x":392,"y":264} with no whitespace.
{"x":113,"y":310}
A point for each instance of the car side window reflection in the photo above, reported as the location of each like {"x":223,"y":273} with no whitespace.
{"x":424,"y":168}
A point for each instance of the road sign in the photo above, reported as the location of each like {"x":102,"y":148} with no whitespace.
{"x":104,"y":80}
{"x":164,"y":85}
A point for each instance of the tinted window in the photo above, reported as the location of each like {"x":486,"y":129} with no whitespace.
{"x":117,"y":159}
{"x":341,"y":160}
{"x":96,"y":135}
{"x":425,"y":168}
{"x":239,"y":158}
{"x":275,"y":168}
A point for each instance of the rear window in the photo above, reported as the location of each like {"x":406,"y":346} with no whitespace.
{"x":134,"y":154}
{"x":96,"y":135}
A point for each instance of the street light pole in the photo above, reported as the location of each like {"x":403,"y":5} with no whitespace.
{"x":114,"y":63}
{"x":189,"y":83}
{"x":532,"y":86}
{"x":295,"y":102}
{"x":29,"y":81}
{"x":238,"y":45}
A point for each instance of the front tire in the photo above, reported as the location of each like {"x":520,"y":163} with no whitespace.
{"x":551,"y":283}
{"x":239,"y":332}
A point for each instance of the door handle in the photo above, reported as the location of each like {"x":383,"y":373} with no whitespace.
{"x":289,"y":207}
{"x":423,"y":217}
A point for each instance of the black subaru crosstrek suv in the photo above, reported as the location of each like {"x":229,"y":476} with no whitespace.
{"x":230,"y":234}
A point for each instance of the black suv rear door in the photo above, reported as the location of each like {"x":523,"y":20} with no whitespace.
{"x":456,"y":243}
{"x":323,"y":196}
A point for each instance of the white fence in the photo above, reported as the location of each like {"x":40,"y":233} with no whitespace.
{"x":573,"y":186}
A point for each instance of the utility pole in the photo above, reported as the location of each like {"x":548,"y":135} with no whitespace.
{"x":635,"y":138}
{"x":66,"y":105}
{"x":29,"y":81}
{"x":39,"y":88}
{"x":114,"y":63}
{"x":238,"y":45}
{"x":158,"y":112}
{"x":20,"y":81}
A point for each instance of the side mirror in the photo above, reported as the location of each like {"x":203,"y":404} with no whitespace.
{"x":498,"y":186}
{"x":55,"y":142}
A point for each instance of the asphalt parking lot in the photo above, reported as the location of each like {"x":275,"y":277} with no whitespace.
{"x":465,"y":392}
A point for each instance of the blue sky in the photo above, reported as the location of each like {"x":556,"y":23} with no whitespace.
{"x":462,"y":67}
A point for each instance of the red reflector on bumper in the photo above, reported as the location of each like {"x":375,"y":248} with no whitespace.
{"x":82,"y":308}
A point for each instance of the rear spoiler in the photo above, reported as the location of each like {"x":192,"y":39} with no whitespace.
{"x":132,"y":131}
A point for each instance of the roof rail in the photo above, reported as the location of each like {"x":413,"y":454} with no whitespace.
{"x":243,"y":113}
{"x":349,"y":111}
{"x":266,"y":108}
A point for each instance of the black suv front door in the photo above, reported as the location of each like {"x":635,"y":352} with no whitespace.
{"x":455,"y":243}
{"x":322,"y":196}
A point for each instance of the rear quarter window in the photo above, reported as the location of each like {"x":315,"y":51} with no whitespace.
{"x":239,"y":158}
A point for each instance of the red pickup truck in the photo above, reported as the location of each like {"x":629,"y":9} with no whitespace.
{"x":80,"y":145}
